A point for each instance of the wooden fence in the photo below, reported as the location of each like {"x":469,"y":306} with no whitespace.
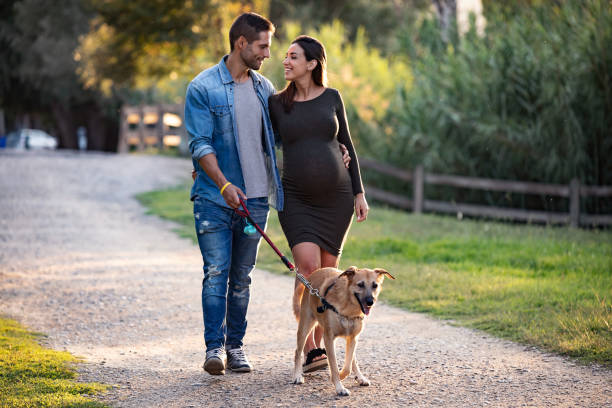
{"x":574,"y":191}
{"x":159,"y":126}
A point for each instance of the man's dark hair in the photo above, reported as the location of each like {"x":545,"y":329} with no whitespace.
{"x":249,"y":25}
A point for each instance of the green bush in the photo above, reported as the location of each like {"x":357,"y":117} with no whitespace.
{"x":529,"y":99}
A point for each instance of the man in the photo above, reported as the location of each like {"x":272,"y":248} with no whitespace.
{"x":232,"y":146}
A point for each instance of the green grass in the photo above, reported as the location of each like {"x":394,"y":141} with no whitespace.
{"x":33,"y":376}
{"x":545,"y":286}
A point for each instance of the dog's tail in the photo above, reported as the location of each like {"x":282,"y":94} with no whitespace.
{"x":298,"y":291}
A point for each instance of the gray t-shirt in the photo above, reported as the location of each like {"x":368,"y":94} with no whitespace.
{"x":249,"y":123}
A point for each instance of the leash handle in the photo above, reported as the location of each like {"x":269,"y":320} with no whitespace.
{"x":246,"y":214}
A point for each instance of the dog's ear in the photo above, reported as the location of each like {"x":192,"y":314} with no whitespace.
{"x":381,"y":271}
{"x":350,"y":272}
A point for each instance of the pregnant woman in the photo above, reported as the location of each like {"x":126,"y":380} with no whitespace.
{"x":320,"y":192}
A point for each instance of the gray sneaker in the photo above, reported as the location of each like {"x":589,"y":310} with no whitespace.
{"x":237,"y":361}
{"x":215,"y":361}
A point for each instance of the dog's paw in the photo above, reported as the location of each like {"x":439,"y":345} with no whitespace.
{"x":344,"y":374}
{"x":343,"y":392}
{"x":364,"y":382}
{"x":298,"y":380}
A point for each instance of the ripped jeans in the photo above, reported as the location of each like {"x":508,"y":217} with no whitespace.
{"x":229,"y":257}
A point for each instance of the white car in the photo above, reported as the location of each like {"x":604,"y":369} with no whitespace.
{"x":30,"y":139}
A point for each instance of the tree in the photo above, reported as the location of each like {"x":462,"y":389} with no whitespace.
{"x":147,"y":38}
{"x":447,"y":16}
{"x":528,"y":100}
{"x":41,"y":77}
{"x":381,"y":19}
{"x":52,"y":74}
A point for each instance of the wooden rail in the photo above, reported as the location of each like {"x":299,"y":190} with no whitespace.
{"x":135,"y":133}
{"x":573,"y":191}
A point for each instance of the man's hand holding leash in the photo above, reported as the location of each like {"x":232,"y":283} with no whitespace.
{"x":232,"y":194}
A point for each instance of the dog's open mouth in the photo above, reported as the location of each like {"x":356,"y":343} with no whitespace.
{"x":364,"y":308}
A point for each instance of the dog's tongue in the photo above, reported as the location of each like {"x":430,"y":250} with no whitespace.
{"x":367,"y":310}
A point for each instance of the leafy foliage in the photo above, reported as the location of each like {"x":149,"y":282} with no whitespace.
{"x":147,"y":38}
{"x":382,"y":19}
{"x":528,"y":100}
{"x":39,"y":77}
{"x":46,"y":72}
{"x":147,"y":52}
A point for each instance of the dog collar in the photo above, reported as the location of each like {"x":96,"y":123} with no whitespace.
{"x":326,"y":305}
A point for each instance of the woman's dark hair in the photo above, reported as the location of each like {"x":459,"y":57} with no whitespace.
{"x":313,"y":50}
{"x":249,"y":25}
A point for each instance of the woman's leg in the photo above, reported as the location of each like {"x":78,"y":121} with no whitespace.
{"x":307,"y":257}
{"x":327,"y":260}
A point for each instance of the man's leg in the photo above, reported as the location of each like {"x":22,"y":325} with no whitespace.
{"x":244,"y":255}
{"x":213,"y":228}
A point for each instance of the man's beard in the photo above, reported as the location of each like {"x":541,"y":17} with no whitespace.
{"x":252,"y":62}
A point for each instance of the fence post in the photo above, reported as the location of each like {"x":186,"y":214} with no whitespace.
{"x":574,"y":205}
{"x":160,"y":126}
{"x":417,"y":190}
{"x":122,"y":146}
{"x":141,"y":129}
{"x":184,"y":146}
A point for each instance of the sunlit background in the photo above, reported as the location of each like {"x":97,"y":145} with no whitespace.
{"x":513,"y":90}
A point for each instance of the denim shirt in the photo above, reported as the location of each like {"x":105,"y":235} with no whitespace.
{"x":209,"y":120}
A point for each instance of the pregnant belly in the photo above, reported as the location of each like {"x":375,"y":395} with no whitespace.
{"x":315,"y":172}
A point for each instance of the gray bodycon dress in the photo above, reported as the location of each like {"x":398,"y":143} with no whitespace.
{"x":319,"y":190}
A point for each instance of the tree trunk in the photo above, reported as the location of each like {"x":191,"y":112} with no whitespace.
{"x":447,"y":15}
{"x":2,"y":124}
{"x":64,"y":119}
{"x":96,"y":129}
{"x":102,"y":131}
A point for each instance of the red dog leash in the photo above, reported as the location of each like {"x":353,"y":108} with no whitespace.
{"x":313,"y":291}
{"x":246,"y":214}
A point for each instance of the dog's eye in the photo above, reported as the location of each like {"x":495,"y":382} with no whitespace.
{"x":361,"y":285}
{"x":375,"y":285}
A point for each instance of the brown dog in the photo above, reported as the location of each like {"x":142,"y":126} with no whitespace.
{"x":352,"y":294}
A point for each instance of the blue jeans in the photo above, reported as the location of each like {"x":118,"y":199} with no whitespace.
{"x":229,"y":257}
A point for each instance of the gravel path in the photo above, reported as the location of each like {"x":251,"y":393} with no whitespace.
{"x":80,"y":261}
